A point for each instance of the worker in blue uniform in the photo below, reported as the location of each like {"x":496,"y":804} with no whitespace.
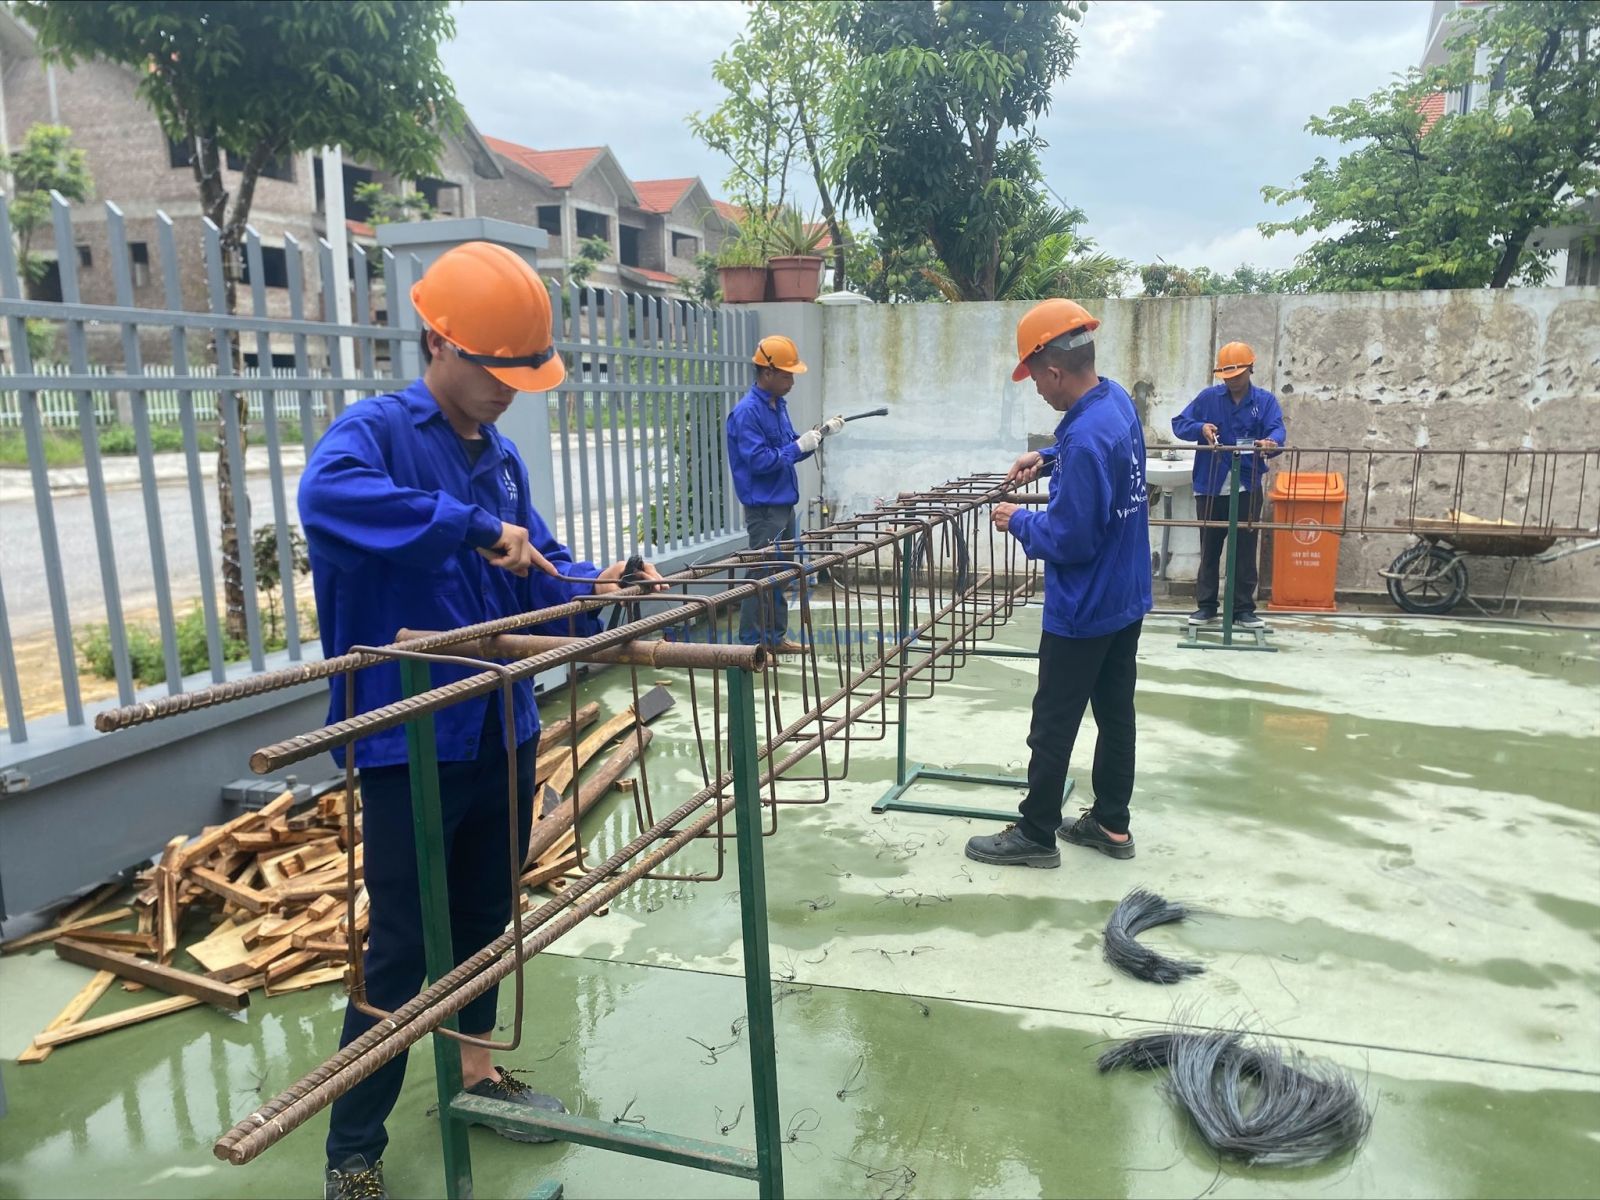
{"x":1094,"y":539}
{"x":418,"y":514}
{"x":1232,"y":413}
{"x":763,"y":449}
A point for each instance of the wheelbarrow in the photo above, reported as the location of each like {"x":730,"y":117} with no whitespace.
{"x":1430,"y":575}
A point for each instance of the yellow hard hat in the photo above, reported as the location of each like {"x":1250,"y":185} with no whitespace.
{"x":1234,"y":359}
{"x":779,"y":353}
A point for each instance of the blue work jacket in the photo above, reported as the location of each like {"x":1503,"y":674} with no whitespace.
{"x":761,"y":451}
{"x":1257,"y":416}
{"x":1094,"y":535}
{"x":394,"y":514}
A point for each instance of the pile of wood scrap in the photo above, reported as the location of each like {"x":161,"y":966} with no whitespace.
{"x":258,"y":902}
{"x":263,"y":900}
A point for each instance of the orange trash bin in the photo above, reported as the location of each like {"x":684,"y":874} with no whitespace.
{"x":1305,"y":558}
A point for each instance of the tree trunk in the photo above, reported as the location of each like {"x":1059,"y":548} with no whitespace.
{"x":1509,"y":258}
{"x":828,"y":212}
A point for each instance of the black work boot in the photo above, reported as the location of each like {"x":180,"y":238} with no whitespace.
{"x":1012,"y":848}
{"x":1086,"y":831}
{"x":354,"y":1179}
{"x":509,"y":1087}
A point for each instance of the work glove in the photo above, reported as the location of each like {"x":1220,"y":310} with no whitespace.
{"x":831,"y":426}
{"x":808,"y":441}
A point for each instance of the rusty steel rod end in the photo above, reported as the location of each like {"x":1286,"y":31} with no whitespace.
{"x":260,"y":762}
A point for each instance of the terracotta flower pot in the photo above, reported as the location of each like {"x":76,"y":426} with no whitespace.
{"x":743,"y":285}
{"x":796,"y":277}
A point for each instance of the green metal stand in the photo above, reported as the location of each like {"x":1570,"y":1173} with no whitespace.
{"x":457,"y":1109}
{"x":906,"y":774}
{"x":1259,"y":639}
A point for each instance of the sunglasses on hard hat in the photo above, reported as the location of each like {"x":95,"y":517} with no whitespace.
{"x":496,"y":360}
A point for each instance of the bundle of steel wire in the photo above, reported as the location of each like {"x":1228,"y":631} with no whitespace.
{"x":1251,"y":1099}
{"x":1140,"y":910}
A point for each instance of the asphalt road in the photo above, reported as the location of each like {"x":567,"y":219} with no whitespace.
{"x":21,"y":558}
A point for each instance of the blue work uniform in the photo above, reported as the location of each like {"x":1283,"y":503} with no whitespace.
{"x":762,"y":453}
{"x":395,"y":506}
{"x":762,"y":456}
{"x":1255,"y":417}
{"x":1094,"y":538}
{"x":394,"y":514}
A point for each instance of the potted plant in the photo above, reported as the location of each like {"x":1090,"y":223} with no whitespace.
{"x":742,"y":266}
{"x":795,"y":266}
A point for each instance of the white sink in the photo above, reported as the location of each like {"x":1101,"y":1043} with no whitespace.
{"x":1169,"y":472}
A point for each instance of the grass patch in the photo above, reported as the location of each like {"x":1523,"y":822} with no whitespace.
{"x":63,"y":448}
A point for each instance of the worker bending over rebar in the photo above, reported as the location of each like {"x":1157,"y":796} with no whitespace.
{"x":418,"y":514}
{"x":1094,"y":539}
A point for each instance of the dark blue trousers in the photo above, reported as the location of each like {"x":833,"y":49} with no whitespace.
{"x":476,"y":833}
{"x":764,"y":619}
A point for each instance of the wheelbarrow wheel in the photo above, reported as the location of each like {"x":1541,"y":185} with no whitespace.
{"x":1427,"y":579}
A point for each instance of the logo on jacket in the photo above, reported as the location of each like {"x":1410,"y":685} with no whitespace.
{"x":1137,"y":496}
{"x":510,"y":481}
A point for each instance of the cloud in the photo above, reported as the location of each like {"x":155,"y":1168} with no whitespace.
{"x":1225,"y":251}
{"x":1174,"y":115}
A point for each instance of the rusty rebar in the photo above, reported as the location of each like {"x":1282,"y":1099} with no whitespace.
{"x":636,"y":653}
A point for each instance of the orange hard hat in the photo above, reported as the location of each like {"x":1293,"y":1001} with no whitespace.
{"x":490,"y":305}
{"x":779,"y":353}
{"x":1234,"y":359}
{"x":1051,"y":321}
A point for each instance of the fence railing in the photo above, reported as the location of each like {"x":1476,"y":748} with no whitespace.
{"x":636,"y":444}
{"x":58,"y":408}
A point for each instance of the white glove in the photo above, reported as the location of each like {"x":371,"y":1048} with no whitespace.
{"x":831,"y":426}
{"x":808,"y":441}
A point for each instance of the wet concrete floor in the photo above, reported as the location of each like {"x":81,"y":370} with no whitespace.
{"x":1393,"y":829}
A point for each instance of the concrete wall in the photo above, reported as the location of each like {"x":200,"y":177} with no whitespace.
{"x":1448,"y":370}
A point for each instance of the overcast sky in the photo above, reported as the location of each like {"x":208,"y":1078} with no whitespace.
{"x":1173,"y":118}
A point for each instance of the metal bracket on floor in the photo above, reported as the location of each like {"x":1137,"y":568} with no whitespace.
{"x":906,"y":774}
{"x":892,"y":799}
{"x":1191,"y":639}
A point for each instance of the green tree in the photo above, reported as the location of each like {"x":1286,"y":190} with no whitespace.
{"x":933,"y":91}
{"x":46,"y":162}
{"x":755,"y":127}
{"x":1451,"y":201}
{"x":1163,"y":279}
{"x":263,"y":80}
{"x":389,"y":207}
{"x":592,"y":251}
{"x":780,"y":75}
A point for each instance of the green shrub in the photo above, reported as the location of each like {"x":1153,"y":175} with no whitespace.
{"x":144,"y":647}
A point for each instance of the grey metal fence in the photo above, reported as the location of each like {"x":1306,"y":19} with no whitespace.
{"x":636,"y":442}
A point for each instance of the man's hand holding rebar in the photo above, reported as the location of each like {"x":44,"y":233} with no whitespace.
{"x":515,"y":553}
{"x":808,"y":441}
{"x":610,"y":580}
{"x":1026,"y":469}
{"x":1001,"y":516}
{"x":831,"y":426}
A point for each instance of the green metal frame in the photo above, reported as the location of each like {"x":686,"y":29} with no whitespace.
{"x":906,"y":774}
{"x":457,"y":1109}
{"x":1259,"y":640}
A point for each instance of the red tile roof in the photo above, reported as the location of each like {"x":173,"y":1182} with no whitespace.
{"x":1432,"y":108}
{"x":654,"y":276}
{"x":560,"y":167}
{"x":729,"y":212}
{"x":661,"y":195}
{"x":360,"y":229}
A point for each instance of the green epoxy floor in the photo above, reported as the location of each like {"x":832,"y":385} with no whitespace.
{"x":1395,"y":829}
